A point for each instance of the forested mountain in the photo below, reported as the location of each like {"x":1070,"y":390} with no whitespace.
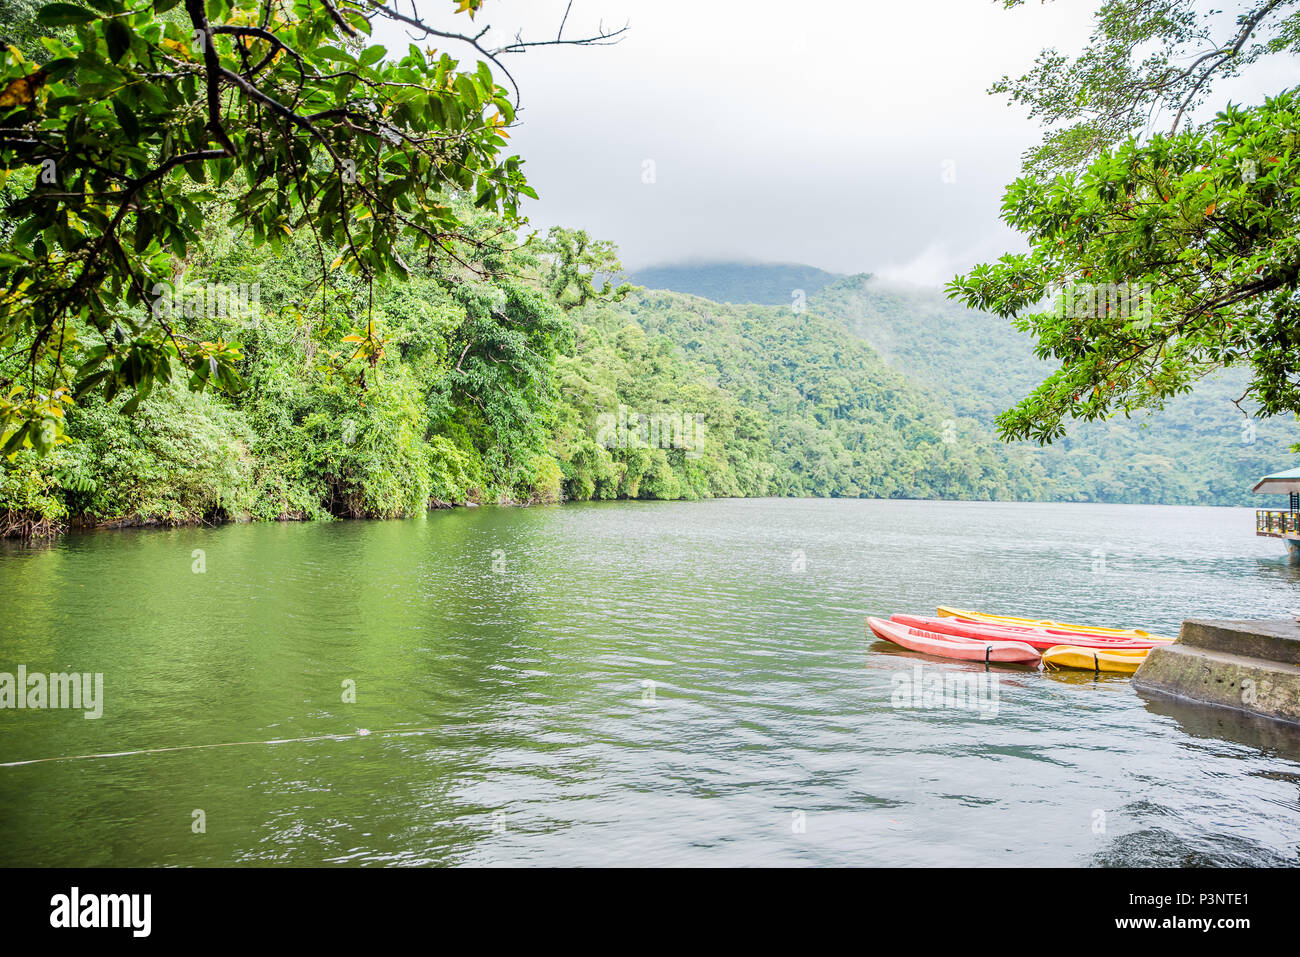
{"x":1200,"y":449}
{"x":469,"y":382}
{"x":768,"y":284}
{"x":832,"y":418}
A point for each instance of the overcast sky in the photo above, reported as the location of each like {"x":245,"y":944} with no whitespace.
{"x":854,"y":135}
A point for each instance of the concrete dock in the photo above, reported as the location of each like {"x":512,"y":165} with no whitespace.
{"x":1248,"y":666}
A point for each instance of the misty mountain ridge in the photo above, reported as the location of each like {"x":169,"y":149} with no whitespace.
{"x":737,"y":282}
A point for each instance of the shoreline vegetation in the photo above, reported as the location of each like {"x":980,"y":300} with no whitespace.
{"x":511,"y":373}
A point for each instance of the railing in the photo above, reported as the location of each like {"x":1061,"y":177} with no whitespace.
{"x":1276,"y":523}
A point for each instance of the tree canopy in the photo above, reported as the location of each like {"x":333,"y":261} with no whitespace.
{"x":1146,"y":68}
{"x":116,"y":141}
{"x":1165,"y":256}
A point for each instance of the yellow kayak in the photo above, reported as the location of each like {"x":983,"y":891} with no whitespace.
{"x":946,"y":612}
{"x":1094,"y":659}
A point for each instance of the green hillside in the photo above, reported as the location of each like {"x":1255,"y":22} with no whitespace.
{"x":836,"y":420}
{"x":480,"y":386}
{"x":1200,"y":449}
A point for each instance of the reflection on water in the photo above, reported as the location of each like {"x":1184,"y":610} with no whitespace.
{"x":630,"y":683}
{"x":1073,"y":676}
{"x":1282,"y":569}
{"x":1227,"y":726}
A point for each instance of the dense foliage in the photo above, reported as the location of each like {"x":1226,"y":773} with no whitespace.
{"x":485,"y":389}
{"x":855,"y":397}
{"x":1167,"y":257}
{"x":450,"y":401}
{"x":136,"y":117}
{"x":839,"y":422}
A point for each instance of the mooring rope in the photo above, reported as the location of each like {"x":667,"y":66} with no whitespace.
{"x":359,"y":733}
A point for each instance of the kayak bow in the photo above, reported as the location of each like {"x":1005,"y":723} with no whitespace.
{"x":950,"y":646}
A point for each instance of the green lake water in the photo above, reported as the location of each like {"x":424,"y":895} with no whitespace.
{"x":630,"y":684}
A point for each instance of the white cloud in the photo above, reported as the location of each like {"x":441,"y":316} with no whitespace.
{"x":814,"y":133}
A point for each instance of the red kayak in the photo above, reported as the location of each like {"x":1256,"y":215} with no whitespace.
{"x":1040,"y":638}
{"x":932,"y":642}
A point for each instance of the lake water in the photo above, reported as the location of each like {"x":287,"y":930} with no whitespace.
{"x":631,"y":684}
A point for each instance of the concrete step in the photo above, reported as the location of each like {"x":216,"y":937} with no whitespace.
{"x":1249,"y":666}
{"x":1276,"y":640}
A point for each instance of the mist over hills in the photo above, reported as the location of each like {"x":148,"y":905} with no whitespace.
{"x":766,"y":284}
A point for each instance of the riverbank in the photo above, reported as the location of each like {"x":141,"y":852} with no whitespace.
{"x":29,"y":527}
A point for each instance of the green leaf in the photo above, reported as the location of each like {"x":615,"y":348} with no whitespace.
{"x":15,"y":440}
{"x":125,"y":116}
{"x":372,"y":55}
{"x":85,"y":385}
{"x":64,"y":14}
{"x":468,"y":91}
{"x":335,"y":55}
{"x":118,"y":36}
